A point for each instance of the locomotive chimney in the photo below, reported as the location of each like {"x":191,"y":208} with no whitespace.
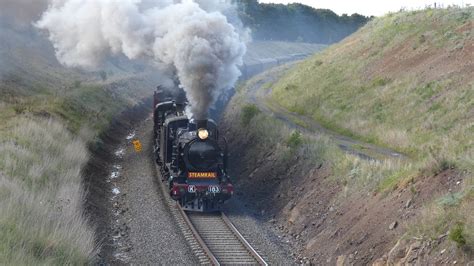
{"x":201,"y":123}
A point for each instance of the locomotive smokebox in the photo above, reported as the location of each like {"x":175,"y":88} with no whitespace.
{"x":201,"y":123}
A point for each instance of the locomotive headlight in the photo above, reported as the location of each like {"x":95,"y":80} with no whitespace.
{"x":203,"y":133}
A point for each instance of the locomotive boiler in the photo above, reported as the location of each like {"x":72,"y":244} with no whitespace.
{"x":191,"y":157}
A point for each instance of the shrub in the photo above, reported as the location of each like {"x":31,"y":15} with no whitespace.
{"x":295,"y":140}
{"x":249,"y":111}
{"x":451,"y":199}
{"x":456,"y":234}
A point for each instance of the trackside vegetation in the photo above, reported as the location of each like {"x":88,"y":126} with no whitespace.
{"x":44,"y":138}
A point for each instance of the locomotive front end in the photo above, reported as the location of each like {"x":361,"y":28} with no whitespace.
{"x":206,"y":184}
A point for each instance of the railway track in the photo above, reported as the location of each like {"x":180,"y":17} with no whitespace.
{"x":211,"y":236}
{"x":220,"y":240}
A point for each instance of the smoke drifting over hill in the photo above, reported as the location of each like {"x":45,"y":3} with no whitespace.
{"x":193,"y":38}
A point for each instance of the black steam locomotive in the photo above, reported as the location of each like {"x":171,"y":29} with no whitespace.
{"x":189,"y":155}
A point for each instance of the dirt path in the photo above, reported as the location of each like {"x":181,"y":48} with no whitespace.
{"x":258,"y":93}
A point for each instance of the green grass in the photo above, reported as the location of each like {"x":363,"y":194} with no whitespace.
{"x":457,"y":234}
{"x":425,"y":117}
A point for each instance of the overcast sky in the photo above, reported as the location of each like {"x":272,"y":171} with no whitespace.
{"x":370,"y":7}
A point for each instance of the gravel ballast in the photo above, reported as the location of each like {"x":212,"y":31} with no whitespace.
{"x":148,"y":234}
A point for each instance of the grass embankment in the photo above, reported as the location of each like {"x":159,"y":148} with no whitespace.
{"x":44,"y":134}
{"x":385,"y":85}
{"x":404,"y":81}
{"x":357,"y":175}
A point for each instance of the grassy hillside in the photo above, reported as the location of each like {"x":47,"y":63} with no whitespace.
{"x":49,"y":115}
{"x":403,"y":81}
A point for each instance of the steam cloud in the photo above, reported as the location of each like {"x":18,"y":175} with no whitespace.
{"x":193,"y":38}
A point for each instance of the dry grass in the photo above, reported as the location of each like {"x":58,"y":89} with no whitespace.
{"x":41,"y":195}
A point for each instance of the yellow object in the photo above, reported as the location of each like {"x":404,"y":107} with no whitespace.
{"x":203,"y":133}
{"x":137,"y":145}
{"x":202,"y":175}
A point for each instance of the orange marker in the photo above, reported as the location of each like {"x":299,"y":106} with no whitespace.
{"x":137,"y":145}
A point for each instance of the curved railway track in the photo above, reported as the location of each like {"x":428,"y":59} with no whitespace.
{"x":211,"y":236}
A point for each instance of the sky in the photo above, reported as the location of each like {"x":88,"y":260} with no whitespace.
{"x":371,"y":7}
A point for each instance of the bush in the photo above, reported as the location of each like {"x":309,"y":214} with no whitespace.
{"x":456,"y":234}
{"x":295,"y":140}
{"x":249,"y":111}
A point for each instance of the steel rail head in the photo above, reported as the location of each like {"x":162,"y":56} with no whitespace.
{"x":244,"y":242}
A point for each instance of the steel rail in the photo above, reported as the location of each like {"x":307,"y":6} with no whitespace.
{"x":244,"y":242}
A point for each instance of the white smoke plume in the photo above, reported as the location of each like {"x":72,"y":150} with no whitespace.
{"x":192,"y":37}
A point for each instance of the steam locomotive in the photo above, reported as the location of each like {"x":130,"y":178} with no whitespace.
{"x":190,"y":156}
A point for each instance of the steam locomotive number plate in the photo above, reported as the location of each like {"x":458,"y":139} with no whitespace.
{"x":192,"y":189}
{"x":214,"y":189}
{"x":202,"y":175}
